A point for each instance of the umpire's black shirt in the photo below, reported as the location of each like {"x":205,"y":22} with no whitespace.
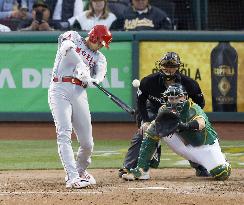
{"x":152,"y":87}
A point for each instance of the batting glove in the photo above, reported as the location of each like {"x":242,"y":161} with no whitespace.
{"x":91,"y":81}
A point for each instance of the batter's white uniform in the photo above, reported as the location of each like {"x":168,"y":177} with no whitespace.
{"x":68,"y":102}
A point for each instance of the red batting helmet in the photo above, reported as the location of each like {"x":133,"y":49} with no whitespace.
{"x":100,"y":33}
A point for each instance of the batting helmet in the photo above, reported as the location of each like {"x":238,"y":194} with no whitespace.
{"x":170,"y":59}
{"x":100,"y":33}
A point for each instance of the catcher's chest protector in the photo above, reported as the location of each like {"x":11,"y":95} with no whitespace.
{"x":197,"y":138}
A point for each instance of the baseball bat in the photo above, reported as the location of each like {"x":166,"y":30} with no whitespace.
{"x":116,"y":100}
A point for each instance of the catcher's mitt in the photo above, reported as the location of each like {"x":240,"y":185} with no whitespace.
{"x":166,"y":123}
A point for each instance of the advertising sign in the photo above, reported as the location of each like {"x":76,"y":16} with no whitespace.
{"x":198,"y":63}
{"x":25,"y":71}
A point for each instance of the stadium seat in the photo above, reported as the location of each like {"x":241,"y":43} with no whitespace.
{"x":117,"y":7}
{"x":168,"y":7}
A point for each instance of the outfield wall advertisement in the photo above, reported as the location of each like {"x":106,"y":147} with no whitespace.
{"x":197,"y":61}
{"x":25,"y":71}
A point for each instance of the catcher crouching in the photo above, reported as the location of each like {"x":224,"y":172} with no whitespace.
{"x":185,"y":128}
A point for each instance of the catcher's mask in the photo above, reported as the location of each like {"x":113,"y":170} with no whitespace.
{"x":100,"y":33}
{"x":169,"y":65}
{"x":175,"y":97}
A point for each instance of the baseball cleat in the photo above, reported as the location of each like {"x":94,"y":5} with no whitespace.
{"x":136,"y":174}
{"x":128,"y":177}
{"x":88,"y":177}
{"x":202,"y":172}
{"x":122,"y":171}
{"x":77,"y":183}
{"x":144,"y":176}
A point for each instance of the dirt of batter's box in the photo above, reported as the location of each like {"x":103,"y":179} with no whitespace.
{"x":108,"y":130}
{"x":166,"y":187}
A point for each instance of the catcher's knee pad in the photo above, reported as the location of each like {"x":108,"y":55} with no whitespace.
{"x":221,"y":172}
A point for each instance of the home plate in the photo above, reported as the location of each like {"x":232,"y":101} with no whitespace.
{"x":148,"y":188}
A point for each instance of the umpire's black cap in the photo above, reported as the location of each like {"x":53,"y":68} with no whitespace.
{"x":170,"y":59}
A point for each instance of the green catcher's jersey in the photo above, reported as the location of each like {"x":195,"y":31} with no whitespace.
{"x":190,"y":112}
{"x":208,"y":135}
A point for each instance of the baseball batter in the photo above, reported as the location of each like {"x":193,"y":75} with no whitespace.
{"x":195,"y":138}
{"x":78,"y":64}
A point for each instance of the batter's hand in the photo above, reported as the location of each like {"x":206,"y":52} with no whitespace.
{"x":91,"y":81}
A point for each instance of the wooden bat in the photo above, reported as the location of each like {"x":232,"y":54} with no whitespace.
{"x":116,"y":100}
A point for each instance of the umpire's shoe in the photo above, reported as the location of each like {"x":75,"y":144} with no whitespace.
{"x":122,"y":171}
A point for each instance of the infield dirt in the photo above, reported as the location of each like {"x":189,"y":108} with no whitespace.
{"x":167,"y":187}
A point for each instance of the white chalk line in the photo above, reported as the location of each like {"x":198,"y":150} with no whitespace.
{"x":147,"y":188}
{"x":74,"y":192}
{"x":49,"y":192}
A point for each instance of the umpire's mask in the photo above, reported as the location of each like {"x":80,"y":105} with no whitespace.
{"x":169,"y":65}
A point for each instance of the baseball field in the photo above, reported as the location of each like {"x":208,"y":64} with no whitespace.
{"x":31,"y":172}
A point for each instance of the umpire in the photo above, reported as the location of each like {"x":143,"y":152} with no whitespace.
{"x":149,"y":100}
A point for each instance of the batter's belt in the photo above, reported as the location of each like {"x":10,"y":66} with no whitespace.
{"x":70,"y":80}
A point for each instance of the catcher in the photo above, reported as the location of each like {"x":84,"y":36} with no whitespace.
{"x":185,"y":128}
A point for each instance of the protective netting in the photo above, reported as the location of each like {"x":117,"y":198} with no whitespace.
{"x":204,"y":14}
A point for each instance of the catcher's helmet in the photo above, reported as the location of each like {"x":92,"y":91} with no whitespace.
{"x":172,"y":94}
{"x":100,"y":33}
{"x":170,"y":59}
{"x":175,"y":90}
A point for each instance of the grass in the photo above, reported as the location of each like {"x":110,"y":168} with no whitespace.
{"x":42,"y":154}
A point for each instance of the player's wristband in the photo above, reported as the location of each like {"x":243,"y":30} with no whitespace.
{"x":193,"y":125}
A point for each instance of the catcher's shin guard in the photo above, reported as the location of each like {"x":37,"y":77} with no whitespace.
{"x":221,"y":172}
{"x":147,"y":149}
{"x":154,"y":163}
